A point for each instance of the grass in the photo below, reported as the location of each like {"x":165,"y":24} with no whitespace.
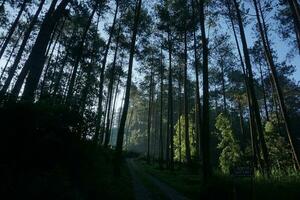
{"x":226,"y":187}
{"x":180,"y":179}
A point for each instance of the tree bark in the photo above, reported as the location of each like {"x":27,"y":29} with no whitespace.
{"x":198,"y":119}
{"x":223,"y":88}
{"x":170,"y":132}
{"x":254,"y":143}
{"x":149,"y":115}
{"x":161,"y":149}
{"x":36,"y":59}
{"x":18,"y":57}
{"x":102,"y":70}
{"x":270,"y":61}
{"x":79,"y":56}
{"x":7,"y":62}
{"x":110,"y":89}
{"x":253,"y":99}
{"x":205,"y":133}
{"x":264,"y":93}
{"x":13,"y":28}
{"x":120,"y":136}
{"x":186,"y":105}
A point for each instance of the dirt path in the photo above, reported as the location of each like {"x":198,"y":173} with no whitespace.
{"x":141,"y":191}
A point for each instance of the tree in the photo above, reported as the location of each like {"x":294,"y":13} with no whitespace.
{"x":270,"y":61}
{"x":37,"y":58}
{"x":18,"y":57}
{"x":253,"y":101}
{"x":230,"y":150}
{"x":13,"y":27}
{"x":120,"y":136}
{"x":205,"y":133}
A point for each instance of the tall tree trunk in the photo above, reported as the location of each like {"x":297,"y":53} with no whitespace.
{"x":254,"y":142}
{"x":102,"y":70}
{"x":186,"y":105}
{"x":85,"y":90}
{"x":8,"y":60}
{"x":242,"y":127}
{"x":114,"y":108}
{"x":36,"y":59}
{"x":179,"y":117}
{"x":18,"y":57}
{"x":270,"y":61}
{"x":264,"y":93}
{"x":253,"y":102}
{"x":25,"y":69}
{"x":49,"y":64}
{"x":13,"y":28}
{"x":60,"y":75}
{"x":223,"y":89}
{"x":120,"y":136}
{"x":110,"y":89}
{"x":161,"y":149}
{"x":197,"y":99}
{"x":170,"y":132}
{"x":128,"y":134}
{"x":205,"y":133}
{"x":79,"y":55}
{"x":149,"y":115}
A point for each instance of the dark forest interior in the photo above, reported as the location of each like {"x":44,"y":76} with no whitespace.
{"x":150,"y":99}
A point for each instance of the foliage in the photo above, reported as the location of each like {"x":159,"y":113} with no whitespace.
{"x":44,"y":157}
{"x":231,"y":153}
{"x":280,"y":151}
{"x":179,"y":138}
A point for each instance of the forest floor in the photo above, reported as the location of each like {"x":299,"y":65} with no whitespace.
{"x":189,"y":183}
{"x":148,"y":187}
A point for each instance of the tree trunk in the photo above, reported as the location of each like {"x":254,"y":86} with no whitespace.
{"x":251,"y":124}
{"x":223,"y":89}
{"x":25,"y":69}
{"x":197,"y":99}
{"x":270,"y":61}
{"x":253,"y":102}
{"x":7,"y":62}
{"x":114,"y":107}
{"x":49,"y":64}
{"x":186,"y":105}
{"x":102,"y":70}
{"x":179,"y":117}
{"x":36,"y":59}
{"x":79,"y":56}
{"x":120,"y":136}
{"x":205,"y":133}
{"x":264,"y":93}
{"x":149,"y":116}
{"x":110,"y":89}
{"x":18,"y":57}
{"x":161,"y":149}
{"x":13,"y":28}
{"x":170,"y":132}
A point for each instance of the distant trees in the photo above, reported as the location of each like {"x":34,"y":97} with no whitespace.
{"x":187,"y":62}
